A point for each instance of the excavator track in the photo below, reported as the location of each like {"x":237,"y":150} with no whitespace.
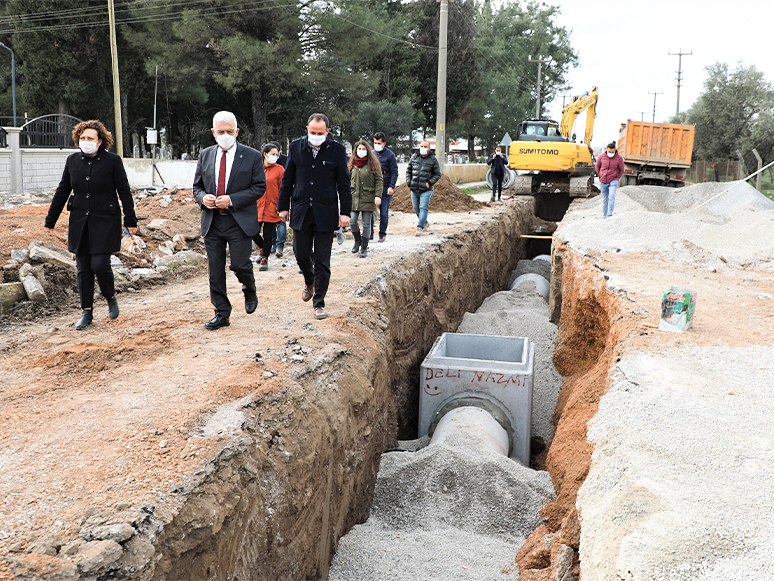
{"x":523,"y":185}
{"x":582,"y":187}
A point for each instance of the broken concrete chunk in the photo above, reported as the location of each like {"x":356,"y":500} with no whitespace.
{"x":33,"y":288}
{"x":179,"y":242}
{"x":46,"y":252}
{"x":157,"y":224}
{"x":97,"y":556}
{"x":184,"y":257}
{"x":10,"y":294}
{"x":20,"y":255}
{"x":132,"y":245}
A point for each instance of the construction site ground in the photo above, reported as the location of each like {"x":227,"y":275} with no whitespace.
{"x":133,"y":421}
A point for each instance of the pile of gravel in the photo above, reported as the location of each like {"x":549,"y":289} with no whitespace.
{"x":449,"y":510}
{"x":520,"y":313}
{"x":736,"y":230}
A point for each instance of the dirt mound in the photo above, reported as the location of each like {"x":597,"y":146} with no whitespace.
{"x":446,"y":198}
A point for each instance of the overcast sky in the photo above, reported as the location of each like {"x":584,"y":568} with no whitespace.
{"x":623,"y":48}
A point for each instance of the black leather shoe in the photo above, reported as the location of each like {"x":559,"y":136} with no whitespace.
{"x":113,"y":308}
{"x":251,"y":303}
{"x":87,"y":316}
{"x":217,"y":322}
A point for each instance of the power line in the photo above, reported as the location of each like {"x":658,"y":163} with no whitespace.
{"x":153,"y":17}
{"x":415,"y":44}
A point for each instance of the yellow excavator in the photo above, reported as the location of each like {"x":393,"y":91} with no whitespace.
{"x":547,"y":159}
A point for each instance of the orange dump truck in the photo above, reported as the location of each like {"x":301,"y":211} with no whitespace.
{"x":655,"y":153}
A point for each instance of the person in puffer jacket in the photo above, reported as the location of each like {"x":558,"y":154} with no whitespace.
{"x":421,"y":175}
{"x":609,"y":168}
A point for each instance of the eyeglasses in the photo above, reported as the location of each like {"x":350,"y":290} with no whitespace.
{"x":222,"y":131}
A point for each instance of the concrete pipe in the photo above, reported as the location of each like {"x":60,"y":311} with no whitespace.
{"x":507,"y":178}
{"x":546,"y":257}
{"x":476,"y":422}
{"x":541,"y":284}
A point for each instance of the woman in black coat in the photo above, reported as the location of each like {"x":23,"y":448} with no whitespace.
{"x":97,"y":180}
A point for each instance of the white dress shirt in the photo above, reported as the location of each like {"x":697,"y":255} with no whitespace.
{"x":230,"y":154}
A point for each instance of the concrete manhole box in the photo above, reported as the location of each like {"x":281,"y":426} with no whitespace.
{"x":488,"y":371}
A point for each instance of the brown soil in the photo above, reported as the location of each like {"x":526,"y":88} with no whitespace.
{"x":228,"y":458}
{"x":446,"y":198}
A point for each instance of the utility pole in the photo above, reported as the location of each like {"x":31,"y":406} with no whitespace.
{"x":440,"y":121}
{"x":654,"y":103}
{"x":540,"y":63}
{"x":679,"y":54}
{"x":563,"y":99}
{"x":642,"y":115}
{"x":116,"y":85}
{"x":13,"y":81}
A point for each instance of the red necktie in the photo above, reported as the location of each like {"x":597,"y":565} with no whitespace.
{"x":222,"y":176}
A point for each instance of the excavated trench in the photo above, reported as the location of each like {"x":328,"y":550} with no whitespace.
{"x":275,"y":503}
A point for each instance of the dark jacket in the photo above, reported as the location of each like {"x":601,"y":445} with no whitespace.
{"x":246,"y":184}
{"x":609,"y":168}
{"x":321,"y":183}
{"x":389,"y":169}
{"x":422,"y":170}
{"x":366,"y":186}
{"x":97,"y":183}
{"x":498,"y":163}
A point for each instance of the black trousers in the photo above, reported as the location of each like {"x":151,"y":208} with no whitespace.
{"x":88,"y":266}
{"x":224,"y":231}
{"x":497,"y":184}
{"x":308,"y":243}
{"x":265,"y":242}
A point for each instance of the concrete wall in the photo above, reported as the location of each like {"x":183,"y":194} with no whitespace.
{"x":5,"y":169}
{"x":41,"y":168}
{"x":173,"y":172}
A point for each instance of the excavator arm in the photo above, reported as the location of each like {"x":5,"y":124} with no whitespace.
{"x":587,"y":101}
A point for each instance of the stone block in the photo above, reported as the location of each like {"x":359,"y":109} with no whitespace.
{"x":46,"y":252}
{"x":97,"y":556}
{"x":10,"y":294}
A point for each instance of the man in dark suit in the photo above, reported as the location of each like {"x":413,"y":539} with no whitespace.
{"x":316,"y":183}
{"x":229,"y":181}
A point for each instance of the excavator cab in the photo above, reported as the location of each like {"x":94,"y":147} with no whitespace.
{"x":539,"y":130}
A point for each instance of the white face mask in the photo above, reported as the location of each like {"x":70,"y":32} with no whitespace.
{"x":610,"y":154}
{"x":272,"y":158}
{"x":88,"y":147}
{"x":226,"y":141}
{"x":423,"y":151}
{"x":378,"y":146}
{"x":316,"y":140}
{"x":362,"y":153}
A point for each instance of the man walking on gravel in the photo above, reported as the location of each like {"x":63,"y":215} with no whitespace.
{"x":609,"y":168}
{"x":316,"y":188}
{"x":228,"y":182}
{"x":421,"y":175}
